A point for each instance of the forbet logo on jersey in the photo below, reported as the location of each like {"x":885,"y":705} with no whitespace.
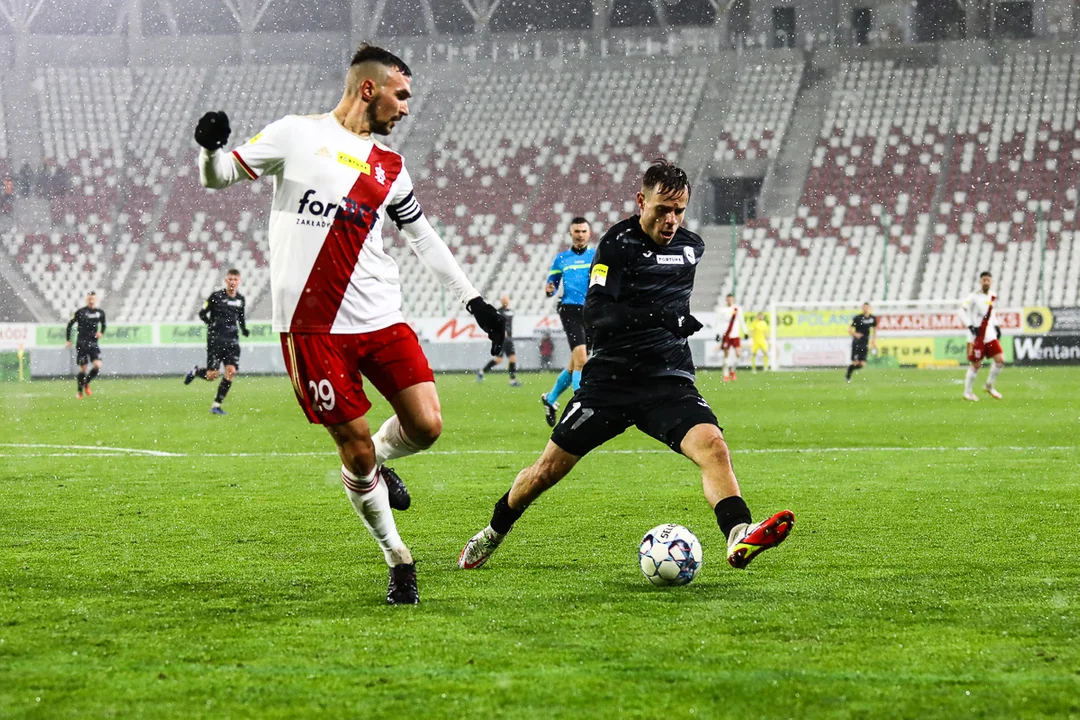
{"x":348,"y":210}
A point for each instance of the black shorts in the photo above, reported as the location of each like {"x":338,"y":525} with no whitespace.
{"x":573,"y":322}
{"x":86,"y":354}
{"x":507,"y":348}
{"x":222,"y":353}
{"x":665,"y":409}
{"x":859,"y":351}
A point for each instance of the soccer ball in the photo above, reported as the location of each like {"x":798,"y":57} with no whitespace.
{"x":669,"y":555}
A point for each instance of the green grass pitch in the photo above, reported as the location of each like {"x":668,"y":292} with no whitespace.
{"x":157,"y":561}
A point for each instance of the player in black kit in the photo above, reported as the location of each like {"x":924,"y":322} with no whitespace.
{"x":641,"y":373}
{"x":507,"y":350}
{"x":223,"y":314}
{"x":863,"y":331}
{"x":91,"y":326}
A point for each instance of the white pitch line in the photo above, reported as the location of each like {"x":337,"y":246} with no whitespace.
{"x":99,"y":448}
{"x":104,"y":451}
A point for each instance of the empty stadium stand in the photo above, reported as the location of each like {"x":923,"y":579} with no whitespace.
{"x":921,"y":172}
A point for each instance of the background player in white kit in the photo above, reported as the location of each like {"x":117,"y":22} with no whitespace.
{"x":984,"y":337}
{"x":336,"y":293}
{"x":733,"y":330}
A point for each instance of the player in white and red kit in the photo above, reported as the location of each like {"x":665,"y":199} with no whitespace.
{"x":984,"y":337}
{"x":733,"y":331}
{"x":336,"y":292}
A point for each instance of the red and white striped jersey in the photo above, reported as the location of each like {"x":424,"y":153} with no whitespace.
{"x":729,"y":330}
{"x":333,"y":189}
{"x":974,"y":309}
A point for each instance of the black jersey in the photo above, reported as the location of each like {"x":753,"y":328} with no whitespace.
{"x":633,"y":270}
{"x":88,"y":322}
{"x":224,"y":316}
{"x":864,"y":324}
{"x":508,"y":316}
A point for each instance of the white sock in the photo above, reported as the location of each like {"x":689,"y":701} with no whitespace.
{"x":994,"y":370}
{"x":392,"y":443}
{"x":969,"y":381}
{"x":372,"y":503}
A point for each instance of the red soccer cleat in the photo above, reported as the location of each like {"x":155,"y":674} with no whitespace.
{"x":87,"y":391}
{"x":753,"y":539}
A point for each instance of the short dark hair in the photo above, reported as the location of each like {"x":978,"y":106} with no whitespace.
{"x":233,"y":271}
{"x":985,"y":273}
{"x":579,"y":220}
{"x":731,"y":295}
{"x":91,"y":293}
{"x":373,"y":53}
{"x":666,"y":177}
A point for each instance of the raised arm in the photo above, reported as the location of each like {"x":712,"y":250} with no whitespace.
{"x":219,"y":169}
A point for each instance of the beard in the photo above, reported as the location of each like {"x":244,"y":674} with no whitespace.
{"x":378,"y":127}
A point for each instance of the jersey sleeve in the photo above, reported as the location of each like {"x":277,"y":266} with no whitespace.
{"x":555,"y":273}
{"x":403,"y":207}
{"x":605,"y":276}
{"x":264,"y":154}
{"x":103,"y":325}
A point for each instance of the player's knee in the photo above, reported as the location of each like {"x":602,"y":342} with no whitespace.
{"x":716,"y":449}
{"x":426,"y":429}
{"x":230,"y":372}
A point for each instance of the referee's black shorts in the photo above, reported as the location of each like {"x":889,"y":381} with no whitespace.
{"x":663,"y":408}
{"x":226,"y":352}
{"x":573,"y":322}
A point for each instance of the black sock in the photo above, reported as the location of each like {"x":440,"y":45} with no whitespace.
{"x":513,"y":371}
{"x":81,"y":379}
{"x":91,"y":375}
{"x":731,"y":511}
{"x":223,"y":390}
{"x":491,"y":364}
{"x":850,"y":369}
{"x":201,"y":372}
{"x":504,"y":516}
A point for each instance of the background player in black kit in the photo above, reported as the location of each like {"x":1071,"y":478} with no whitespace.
{"x":641,"y":373}
{"x":223,"y":314}
{"x":91,"y":326}
{"x":507,"y":350}
{"x":863,"y":331}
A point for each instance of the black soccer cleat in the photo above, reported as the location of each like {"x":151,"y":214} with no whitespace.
{"x":191,"y":375}
{"x":551,"y":411}
{"x":395,"y":488}
{"x":402,"y":588}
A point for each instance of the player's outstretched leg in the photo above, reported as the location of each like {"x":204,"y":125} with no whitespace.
{"x":80,"y":383}
{"x":552,"y":466}
{"x":705,"y":445}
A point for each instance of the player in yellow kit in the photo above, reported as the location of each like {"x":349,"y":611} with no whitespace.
{"x":759,"y":334}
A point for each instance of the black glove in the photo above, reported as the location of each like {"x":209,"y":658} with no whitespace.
{"x":973,"y":329}
{"x":213,"y":130}
{"x":679,"y":322}
{"x":246,"y":332}
{"x":490,"y":321}
{"x":998,"y":328}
